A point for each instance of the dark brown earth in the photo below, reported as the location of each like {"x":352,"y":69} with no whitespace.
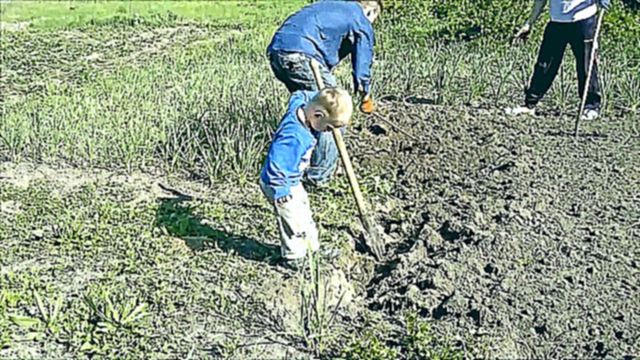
{"x":511,"y":235}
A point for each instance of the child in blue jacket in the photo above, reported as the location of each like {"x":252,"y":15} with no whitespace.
{"x":309,"y":114}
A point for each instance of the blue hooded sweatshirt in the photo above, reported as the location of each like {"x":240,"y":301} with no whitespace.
{"x":329,"y":31}
{"x":290,"y":151}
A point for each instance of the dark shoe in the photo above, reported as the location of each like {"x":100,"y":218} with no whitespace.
{"x":293,"y":264}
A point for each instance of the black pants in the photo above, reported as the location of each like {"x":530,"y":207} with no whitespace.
{"x":556,"y":37}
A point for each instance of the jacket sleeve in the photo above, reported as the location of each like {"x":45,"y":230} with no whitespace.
{"x":283,"y":163}
{"x":537,"y":10}
{"x":362,"y":57}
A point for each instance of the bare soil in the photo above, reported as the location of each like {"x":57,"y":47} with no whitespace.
{"x":513,"y":231}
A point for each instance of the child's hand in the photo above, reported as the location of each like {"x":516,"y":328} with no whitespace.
{"x":367,"y":106}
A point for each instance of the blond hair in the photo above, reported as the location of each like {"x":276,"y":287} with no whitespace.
{"x":336,"y":104}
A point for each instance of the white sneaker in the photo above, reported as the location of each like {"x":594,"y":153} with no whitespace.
{"x":520,"y":110}
{"x":590,"y":114}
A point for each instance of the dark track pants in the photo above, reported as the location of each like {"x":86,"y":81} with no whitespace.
{"x":556,"y":37}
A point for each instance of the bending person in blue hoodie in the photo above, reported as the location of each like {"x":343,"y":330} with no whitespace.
{"x":326,"y":31}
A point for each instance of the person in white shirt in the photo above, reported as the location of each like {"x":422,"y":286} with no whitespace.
{"x":572,"y":22}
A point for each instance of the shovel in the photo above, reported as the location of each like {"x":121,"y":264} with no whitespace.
{"x":372,"y":239}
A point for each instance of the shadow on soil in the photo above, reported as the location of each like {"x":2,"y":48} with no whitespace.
{"x":410,"y":100}
{"x":178,"y":219}
{"x":593,"y":135}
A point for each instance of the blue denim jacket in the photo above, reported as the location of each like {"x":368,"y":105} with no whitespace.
{"x":329,"y":31}
{"x":290,"y":151}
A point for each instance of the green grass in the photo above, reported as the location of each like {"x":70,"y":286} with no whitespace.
{"x":203,"y":100}
{"x":60,"y":14}
{"x":115,"y":264}
{"x":102,"y":264}
{"x":109,"y":265}
{"x":76,"y":84}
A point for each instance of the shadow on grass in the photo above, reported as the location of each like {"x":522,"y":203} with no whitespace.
{"x":178,"y":218}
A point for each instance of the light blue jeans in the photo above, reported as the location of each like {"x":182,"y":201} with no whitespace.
{"x":294,"y":71}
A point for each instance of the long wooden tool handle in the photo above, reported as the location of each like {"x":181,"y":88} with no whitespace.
{"x":337,"y":136}
{"x":350,"y":173}
{"x":592,"y":61}
{"x":317,"y":74}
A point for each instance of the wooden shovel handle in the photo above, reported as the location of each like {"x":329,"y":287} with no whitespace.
{"x":337,"y":136}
